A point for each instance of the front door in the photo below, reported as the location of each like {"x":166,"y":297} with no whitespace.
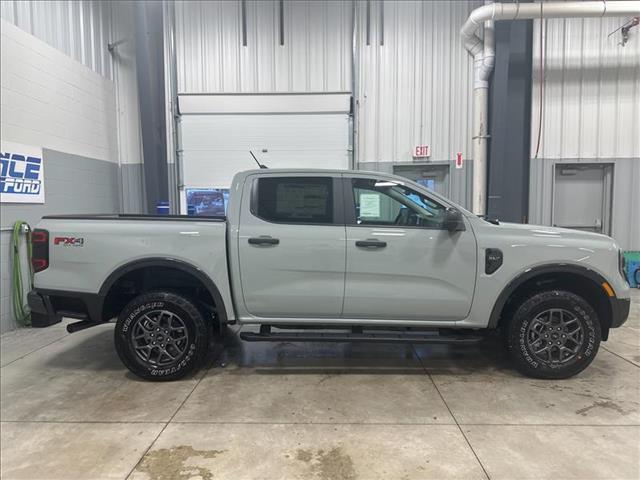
{"x":401,"y":261}
{"x":291,"y":246}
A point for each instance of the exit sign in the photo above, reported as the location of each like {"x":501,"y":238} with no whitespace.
{"x":421,"y":151}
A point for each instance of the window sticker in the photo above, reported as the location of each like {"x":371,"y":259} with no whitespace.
{"x":370,"y":205}
{"x":301,"y":200}
{"x":295,"y":199}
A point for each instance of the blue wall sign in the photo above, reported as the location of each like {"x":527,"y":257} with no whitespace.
{"x":21,"y":173}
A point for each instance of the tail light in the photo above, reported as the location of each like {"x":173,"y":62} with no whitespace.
{"x":40,"y":249}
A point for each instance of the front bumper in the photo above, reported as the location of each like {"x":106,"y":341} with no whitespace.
{"x":619,"y":311}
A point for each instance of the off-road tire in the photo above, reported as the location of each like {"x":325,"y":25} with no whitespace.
{"x":529,"y":315}
{"x":190,"y":351}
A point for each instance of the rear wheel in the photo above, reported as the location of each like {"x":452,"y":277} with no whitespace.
{"x":553,"y":334}
{"x":161,"y":336}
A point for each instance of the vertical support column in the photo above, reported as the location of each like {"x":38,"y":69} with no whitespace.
{"x":510,"y":120}
{"x":150,"y":73}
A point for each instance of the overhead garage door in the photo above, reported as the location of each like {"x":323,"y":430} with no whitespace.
{"x":283,"y":131}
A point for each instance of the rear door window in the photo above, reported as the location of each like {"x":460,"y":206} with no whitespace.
{"x":305,"y":200}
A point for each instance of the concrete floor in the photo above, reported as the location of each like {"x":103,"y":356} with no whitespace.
{"x":70,"y":410}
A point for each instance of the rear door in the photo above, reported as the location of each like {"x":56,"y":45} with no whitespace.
{"x":291,"y":244}
{"x":401,"y":261}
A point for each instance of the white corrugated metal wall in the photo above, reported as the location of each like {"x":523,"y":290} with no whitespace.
{"x":315,"y":56}
{"x":590,"y":114}
{"x":79,"y":29}
{"x":591,"y":90}
{"x":414,"y":80}
{"x":413,"y":89}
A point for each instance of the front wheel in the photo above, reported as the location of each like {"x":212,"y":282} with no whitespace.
{"x":553,"y":334}
{"x":161,"y":336}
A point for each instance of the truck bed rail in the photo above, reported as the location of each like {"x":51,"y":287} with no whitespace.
{"x":137,"y":217}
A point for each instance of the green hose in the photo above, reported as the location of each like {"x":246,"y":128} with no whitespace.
{"x":20,"y":309}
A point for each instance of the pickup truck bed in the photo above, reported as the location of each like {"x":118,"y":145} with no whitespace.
{"x":78,"y":284}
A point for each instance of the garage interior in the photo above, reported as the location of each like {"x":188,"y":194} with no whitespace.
{"x":147,"y":107}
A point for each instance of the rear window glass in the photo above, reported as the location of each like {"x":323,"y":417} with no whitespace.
{"x":295,"y":199}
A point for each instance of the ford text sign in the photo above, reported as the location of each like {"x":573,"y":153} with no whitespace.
{"x":21,"y":173}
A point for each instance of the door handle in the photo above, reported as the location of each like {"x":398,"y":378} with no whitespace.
{"x":370,"y":243}
{"x":264,"y":241}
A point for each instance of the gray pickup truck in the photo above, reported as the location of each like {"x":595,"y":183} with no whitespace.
{"x":319,"y":255}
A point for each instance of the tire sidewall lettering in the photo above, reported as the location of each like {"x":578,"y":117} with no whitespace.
{"x":160,"y":372}
{"x":522,"y":344}
{"x":135,"y":313}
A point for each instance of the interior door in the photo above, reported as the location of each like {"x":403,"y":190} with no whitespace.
{"x":291,"y":246}
{"x":582,"y":197}
{"x":401,"y":261}
{"x":433,"y":176}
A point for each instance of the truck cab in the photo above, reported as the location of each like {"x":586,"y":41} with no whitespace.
{"x":339,"y":247}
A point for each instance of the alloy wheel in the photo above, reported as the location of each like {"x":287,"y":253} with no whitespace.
{"x":555,"y":336}
{"x":160,"y":338}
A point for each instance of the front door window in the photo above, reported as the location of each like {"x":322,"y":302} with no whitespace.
{"x":387,"y":203}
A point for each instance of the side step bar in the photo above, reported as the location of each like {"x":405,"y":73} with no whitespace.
{"x":83,"y":324}
{"x":387,"y":337}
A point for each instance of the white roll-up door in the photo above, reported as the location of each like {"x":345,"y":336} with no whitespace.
{"x":283,"y":131}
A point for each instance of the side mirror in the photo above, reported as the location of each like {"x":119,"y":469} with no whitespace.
{"x":453,"y":220}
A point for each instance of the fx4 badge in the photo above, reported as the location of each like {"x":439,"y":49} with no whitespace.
{"x":69,"y":241}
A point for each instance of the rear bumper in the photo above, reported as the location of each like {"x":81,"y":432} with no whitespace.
{"x":49,"y":306}
{"x":619,"y":311}
{"x":42,"y":313}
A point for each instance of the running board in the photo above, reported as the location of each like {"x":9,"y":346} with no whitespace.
{"x":83,"y":325}
{"x":359,"y":337}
